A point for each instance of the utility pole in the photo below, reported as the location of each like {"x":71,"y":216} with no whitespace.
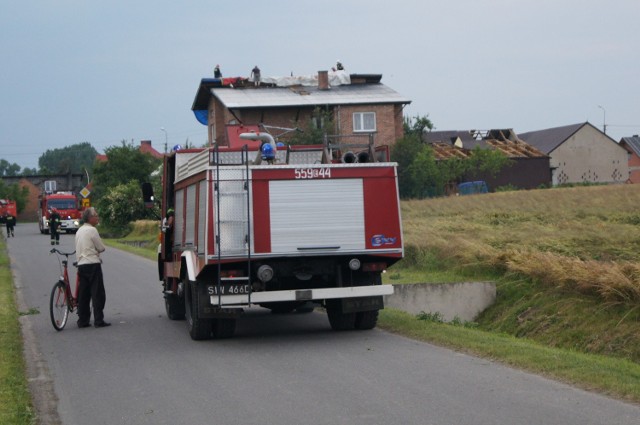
{"x":604,"y":119}
{"x":166,"y":139}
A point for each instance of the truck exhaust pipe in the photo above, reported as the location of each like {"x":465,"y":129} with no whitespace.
{"x":349,"y":158}
{"x":363,"y":157}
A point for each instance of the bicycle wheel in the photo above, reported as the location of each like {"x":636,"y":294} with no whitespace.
{"x":58,"y":306}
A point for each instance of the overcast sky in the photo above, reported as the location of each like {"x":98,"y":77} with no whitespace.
{"x":100,"y":72}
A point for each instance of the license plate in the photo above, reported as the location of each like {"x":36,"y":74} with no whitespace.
{"x":229,"y":289}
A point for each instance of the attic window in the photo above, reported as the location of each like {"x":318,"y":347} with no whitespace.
{"x":364,"y":121}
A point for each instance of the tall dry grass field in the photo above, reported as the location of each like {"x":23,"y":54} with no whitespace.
{"x":585,"y":239}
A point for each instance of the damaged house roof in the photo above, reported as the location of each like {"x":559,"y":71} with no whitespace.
{"x":459,"y":144}
{"x":362,"y":89}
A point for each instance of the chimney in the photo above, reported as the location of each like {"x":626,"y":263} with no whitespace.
{"x":323,"y":80}
{"x":145,"y":142}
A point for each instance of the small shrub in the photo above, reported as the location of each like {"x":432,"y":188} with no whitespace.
{"x":506,"y":188}
{"x":430,"y":317}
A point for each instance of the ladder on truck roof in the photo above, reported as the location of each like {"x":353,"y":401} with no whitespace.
{"x":233,"y":223}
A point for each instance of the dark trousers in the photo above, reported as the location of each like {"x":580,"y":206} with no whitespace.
{"x":91,"y":293}
{"x":55,"y":236}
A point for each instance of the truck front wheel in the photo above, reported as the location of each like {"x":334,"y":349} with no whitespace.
{"x":199,"y":328}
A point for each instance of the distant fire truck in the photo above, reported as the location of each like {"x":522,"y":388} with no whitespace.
{"x":66,"y":203}
{"x":7,"y":207}
{"x":281,"y":227}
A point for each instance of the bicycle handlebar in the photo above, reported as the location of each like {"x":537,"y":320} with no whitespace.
{"x":60,"y":252}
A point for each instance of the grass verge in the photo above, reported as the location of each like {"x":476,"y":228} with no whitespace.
{"x":615,"y":377}
{"x":16,"y":406}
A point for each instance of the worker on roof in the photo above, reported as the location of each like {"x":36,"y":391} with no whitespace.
{"x":216,"y":72}
{"x":255,"y":75}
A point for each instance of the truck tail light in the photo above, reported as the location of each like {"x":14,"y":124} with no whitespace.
{"x":232,"y":273}
{"x":374,"y":267}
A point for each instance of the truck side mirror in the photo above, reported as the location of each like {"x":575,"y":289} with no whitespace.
{"x":147,"y":195}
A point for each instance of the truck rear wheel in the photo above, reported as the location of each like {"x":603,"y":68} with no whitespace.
{"x":173,"y":303}
{"x":223,"y":328}
{"x":174,"y":306}
{"x":340,"y":321}
{"x":366,"y":319}
{"x":199,"y":328}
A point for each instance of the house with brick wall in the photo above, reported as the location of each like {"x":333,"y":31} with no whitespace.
{"x":632,"y":145}
{"x":359,"y":104}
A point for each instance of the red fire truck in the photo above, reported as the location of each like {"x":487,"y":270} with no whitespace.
{"x":281,"y":227}
{"x":7,"y":207}
{"x":67,"y":205}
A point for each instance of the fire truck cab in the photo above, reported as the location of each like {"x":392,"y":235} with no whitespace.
{"x":66,"y":203}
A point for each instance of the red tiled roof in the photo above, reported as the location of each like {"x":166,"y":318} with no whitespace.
{"x":145,"y":147}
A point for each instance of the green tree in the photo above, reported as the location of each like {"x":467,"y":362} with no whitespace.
{"x":421,"y":175}
{"x":415,"y":165}
{"x":29,"y":171}
{"x":70,"y":159}
{"x":417,"y":125}
{"x":15,"y":193}
{"x":314,"y":129}
{"x":7,"y":169}
{"x":124,"y":163}
{"x":121,"y":205}
{"x":487,"y":161}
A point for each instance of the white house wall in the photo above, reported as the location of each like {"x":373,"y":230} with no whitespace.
{"x":589,"y":156}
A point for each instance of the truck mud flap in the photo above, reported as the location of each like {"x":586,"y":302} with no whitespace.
{"x":354,"y":305}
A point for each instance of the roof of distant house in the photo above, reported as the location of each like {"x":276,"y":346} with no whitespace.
{"x":549,"y":139}
{"x":459,"y":144}
{"x":145,"y":147}
{"x":632,"y":143}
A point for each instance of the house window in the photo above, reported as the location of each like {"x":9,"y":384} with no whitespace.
{"x":364,"y":121}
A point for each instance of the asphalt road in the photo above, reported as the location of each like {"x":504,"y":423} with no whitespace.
{"x":289,"y":369}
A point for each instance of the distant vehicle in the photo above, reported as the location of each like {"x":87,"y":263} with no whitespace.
{"x":471,"y":188}
{"x":67,"y":205}
{"x":7,"y":207}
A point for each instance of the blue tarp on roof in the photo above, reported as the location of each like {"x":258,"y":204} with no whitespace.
{"x":201,"y":116}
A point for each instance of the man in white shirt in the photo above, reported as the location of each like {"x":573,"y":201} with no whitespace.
{"x":91,"y":287}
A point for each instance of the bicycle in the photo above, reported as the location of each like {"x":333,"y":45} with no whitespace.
{"x":62,"y":301}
